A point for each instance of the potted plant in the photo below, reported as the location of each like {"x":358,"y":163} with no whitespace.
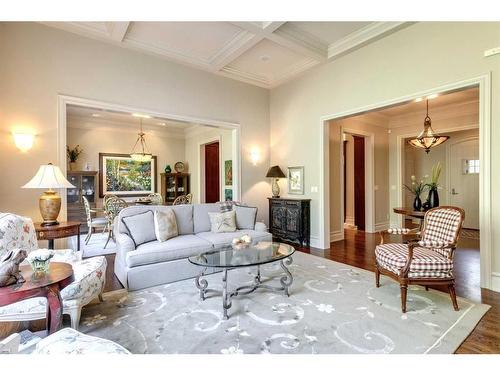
{"x":73,"y":154}
{"x":433,"y":185}
{"x":417,"y":188}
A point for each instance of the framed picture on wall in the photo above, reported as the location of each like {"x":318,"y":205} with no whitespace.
{"x":228,"y":194}
{"x":119,"y":174}
{"x":296,"y":180}
{"x":228,"y":172}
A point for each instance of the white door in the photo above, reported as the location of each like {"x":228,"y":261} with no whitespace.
{"x":464,"y":180}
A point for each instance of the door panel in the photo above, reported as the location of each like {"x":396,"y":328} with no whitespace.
{"x":359,"y":182}
{"x":464,"y":187}
{"x":212,"y":170}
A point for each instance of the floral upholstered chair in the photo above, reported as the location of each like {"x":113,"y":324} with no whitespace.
{"x":90,"y":274}
{"x":427,"y":260}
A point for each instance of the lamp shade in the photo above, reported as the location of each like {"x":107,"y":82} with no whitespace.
{"x":275,"y":172}
{"x":48,"y":177}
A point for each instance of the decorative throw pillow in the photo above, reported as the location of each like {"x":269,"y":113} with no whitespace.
{"x":165,"y":225}
{"x":245,"y":217}
{"x":222,"y":221}
{"x":141,"y":227}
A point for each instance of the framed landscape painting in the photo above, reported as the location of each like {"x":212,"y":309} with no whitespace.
{"x":228,"y":172}
{"x":296,"y":180}
{"x":120,"y":175}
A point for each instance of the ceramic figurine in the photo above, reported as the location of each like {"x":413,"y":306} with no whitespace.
{"x":9,"y":267}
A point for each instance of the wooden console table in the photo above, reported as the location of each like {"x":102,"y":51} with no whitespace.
{"x":409,"y":211}
{"x":60,"y":275}
{"x":61,"y":230}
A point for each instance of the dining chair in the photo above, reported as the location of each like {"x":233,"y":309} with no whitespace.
{"x":182,"y":199}
{"x":156,"y":198}
{"x":112,"y":208}
{"x":93,"y":222}
{"x":426,"y":260}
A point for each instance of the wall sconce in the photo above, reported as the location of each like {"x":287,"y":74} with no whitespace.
{"x":254,"y":156}
{"x":23,"y":141}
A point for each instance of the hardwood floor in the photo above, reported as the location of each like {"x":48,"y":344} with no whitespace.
{"x":358,"y":250}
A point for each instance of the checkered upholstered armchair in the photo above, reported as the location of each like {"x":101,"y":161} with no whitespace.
{"x":90,"y":274}
{"x":427,"y":260}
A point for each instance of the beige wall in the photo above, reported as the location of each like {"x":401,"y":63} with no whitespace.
{"x":417,"y":58}
{"x":39,"y":62}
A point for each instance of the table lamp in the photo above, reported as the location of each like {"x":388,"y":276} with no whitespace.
{"x":49,"y":177}
{"x":275,"y":173}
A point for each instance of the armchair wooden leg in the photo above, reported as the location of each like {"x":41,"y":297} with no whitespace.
{"x":404,"y":289}
{"x":377,"y":276}
{"x":74,"y":315}
{"x":453,"y":295}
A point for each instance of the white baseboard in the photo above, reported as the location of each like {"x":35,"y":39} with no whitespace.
{"x":495,"y":281}
{"x":336,"y":235}
{"x":382,"y":226}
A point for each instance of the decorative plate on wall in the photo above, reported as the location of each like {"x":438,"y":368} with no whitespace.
{"x":179,"y":167}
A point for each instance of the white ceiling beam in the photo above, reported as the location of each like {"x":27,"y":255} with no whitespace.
{"x":117,"y":30}
{"x":235,"y":49}
{"x":363,"y":36}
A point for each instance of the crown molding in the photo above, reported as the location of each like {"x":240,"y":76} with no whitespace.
{"x":364,"y":36}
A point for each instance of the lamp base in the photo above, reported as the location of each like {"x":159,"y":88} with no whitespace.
{"x":275,"y":188}
{"x":275,"y":196}
{"x":50,"y":205}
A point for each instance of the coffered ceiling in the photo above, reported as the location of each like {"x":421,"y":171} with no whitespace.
{"x":265,"y":54}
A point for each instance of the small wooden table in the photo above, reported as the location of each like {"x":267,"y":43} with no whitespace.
{"x":61,"y":230}
{"x":409,"y":211}
{"x":59,"y":276}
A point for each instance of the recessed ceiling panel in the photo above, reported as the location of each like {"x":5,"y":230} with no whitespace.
{"x":267,"y":60}
{"x":198,"y":40}
{"x":329,"y":32}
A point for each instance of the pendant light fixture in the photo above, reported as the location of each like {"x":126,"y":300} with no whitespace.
{"x":142,"y":153}
{"x":427,"y":138}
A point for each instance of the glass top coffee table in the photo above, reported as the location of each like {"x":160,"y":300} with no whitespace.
{"x":237,"y":257}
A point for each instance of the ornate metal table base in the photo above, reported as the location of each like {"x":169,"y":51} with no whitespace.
{"x":285,"y":281}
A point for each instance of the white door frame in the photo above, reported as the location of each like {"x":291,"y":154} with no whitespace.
{"x":202,"y":144}
{"x":484,"y":83}
{"x":369,"y":181}
{"x":64,"y":100}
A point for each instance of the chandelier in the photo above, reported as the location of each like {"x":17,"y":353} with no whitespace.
{"x":427,"y":138}
{"x":142,"y":154}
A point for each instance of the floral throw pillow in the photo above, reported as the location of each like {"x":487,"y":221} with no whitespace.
{"x":222,"y":221}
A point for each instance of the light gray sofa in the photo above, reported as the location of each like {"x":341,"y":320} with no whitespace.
{"x":155,"y":263}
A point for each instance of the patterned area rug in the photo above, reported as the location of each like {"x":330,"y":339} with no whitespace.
{"x":333,"y":308}
{"x":95,"y":246}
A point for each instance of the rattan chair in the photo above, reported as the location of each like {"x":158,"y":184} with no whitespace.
{"x":93,"y":222}
{"x":183,"y":199}
{"x":427,"y":260}
{"x":156,"y":198}
{"x":112,"y":208}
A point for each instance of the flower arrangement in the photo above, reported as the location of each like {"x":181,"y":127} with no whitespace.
{"x":417,"y":188}
{"x":73,"y":153}
{"x":40,"y":260}
{"x":243,"y":241}
{"x":436,"y":172}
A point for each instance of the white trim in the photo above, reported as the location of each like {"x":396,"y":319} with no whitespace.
{"x":337,"y":235}
{"x":484,"y":82}
{"x":384,"y":225}
{"x":495,"y":281}
{"x":64,"y":100}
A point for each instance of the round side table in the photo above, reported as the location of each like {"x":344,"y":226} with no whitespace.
{"x":49,"y":285}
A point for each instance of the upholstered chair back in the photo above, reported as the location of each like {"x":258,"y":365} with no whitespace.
{"x":442,"y":225}
{"x":16,"y":232}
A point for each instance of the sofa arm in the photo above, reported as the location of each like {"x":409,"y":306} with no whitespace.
{"x":260,"y":227}
{"x":124,"y":243}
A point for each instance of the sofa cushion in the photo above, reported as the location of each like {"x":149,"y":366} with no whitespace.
{"x":222,"y":221}
{"x":184,"y":217}
{"x":141,"y":227}
{"x":165,"y":225}
{"x":179,"y":247}
{"x":245,"y":217}
{"x":200,"y":216}
{"x":220,"y":240}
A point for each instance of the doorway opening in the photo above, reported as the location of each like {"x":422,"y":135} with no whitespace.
{"x":210,"y":172}
{"x":354,"y":181}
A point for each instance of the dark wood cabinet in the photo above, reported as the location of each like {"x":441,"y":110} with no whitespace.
{"x":290,"y":219}
{"x":85,"y":183}
{"x":174,"y":185}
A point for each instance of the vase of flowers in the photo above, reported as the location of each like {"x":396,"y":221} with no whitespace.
{"x":433,"y":185}
{"x":417,"y":188}
{"x":73,"y":155}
